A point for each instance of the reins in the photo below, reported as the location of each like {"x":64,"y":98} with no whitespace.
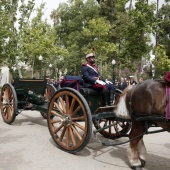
{"x":121,"y":143}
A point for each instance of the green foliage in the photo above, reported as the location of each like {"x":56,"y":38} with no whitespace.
{"x":115,"y":31}
{"x":70,"y":20}
{"x":135,"y":41}
{"x":129,"y":31}
{"x":161,"y":62}
{"x":9,"y":9}
{"x":163,"y":31}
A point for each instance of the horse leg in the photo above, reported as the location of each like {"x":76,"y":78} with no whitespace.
{"x":142,"y":152}
{"x":137,"y":150}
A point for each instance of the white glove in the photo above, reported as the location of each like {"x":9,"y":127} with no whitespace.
{"x":100,"y":82}
{"x":108,"y":82}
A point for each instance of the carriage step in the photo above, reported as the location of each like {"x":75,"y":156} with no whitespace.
{"x":104,"y":109}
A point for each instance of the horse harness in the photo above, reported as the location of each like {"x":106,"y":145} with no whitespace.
{"x":149,"y":120}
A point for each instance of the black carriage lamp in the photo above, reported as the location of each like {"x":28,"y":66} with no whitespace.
{"x":113,"y":72}
{"x":50,"y":65}
{"x":40,"y":58}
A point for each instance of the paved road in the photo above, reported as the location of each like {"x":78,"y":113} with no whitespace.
{"x":27,"y":145}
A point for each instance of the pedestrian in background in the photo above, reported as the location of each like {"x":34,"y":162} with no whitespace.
{"x":116,"y":84}
{"x":140,"y":80}
{"x":132,"y":81}
{"x":122,"y":84}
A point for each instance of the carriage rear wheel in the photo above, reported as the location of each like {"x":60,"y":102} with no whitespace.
{"x":117,"y":130}
{"x":69,"y":120}
{"x":49,"y":91}
{"x":8,"y":101}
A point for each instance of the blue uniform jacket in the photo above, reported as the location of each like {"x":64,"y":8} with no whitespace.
{"x":90,"y":74}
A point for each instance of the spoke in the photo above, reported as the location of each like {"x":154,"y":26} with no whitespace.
{"x":116,"y":129}
{"x":11,"y":97}
{"x":121,"y":124}
{"x":11,"y":109}
{"x":72,"y":105}
{"x":76,"y":132}
{"x":110,"y":128}
{"x":3,"y":97}
{"x":79,"y":126}
{"x":67,"y":104}
{"x":57,"y":129}
{"x":7,"y":93}
{"x":67,"y":137}
{"x":3,"y":107}
{"x":72,"y":136}
{"x":77,"y":109}
{"x":55,"y":113}
{"x":7,"y":113}
{"x":62,"y":104}
{"x":105,"y":123}
{"x":58,"y":107}
{"x":78,"y":118}
{"x":55,"y":121}
{"x":62,"y":134}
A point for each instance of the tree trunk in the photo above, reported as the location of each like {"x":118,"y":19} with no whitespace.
{"x":18,"y":68}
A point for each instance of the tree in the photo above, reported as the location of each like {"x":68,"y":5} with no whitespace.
{"x":163,"y":31}
{"x":37,"y":38}
{"x":161,"y":62}
{"x":4,"y":31}
{"x":13,"y":26}
{"x":98,"y":31}
{"x":69,"y":21}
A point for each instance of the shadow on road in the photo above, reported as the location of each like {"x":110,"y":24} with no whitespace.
{"x":30,"y":120}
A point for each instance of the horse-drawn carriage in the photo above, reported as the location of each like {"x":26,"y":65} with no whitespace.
{"x":70,"y":112}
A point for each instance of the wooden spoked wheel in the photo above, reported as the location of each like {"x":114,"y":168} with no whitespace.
{"x":49,"y":91}
{"x":117,"y":130}
{"x":8,"y":101}
{"x":69,"y":120}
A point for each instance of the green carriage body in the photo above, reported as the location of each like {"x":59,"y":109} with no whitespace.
{"x":17,"y":97}
{"x":30,"y":90}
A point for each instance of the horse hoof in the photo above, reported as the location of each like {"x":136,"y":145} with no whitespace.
{"x":136,"y":167}
{"x":142,"y":162}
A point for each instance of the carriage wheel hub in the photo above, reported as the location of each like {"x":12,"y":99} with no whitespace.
{"x":66,"y":120}
{"x":6,"y":102}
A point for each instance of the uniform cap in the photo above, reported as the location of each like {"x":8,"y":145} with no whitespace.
{"x":90,"y":55}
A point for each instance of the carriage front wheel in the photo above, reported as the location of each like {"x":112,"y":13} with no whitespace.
{"x":69,"y":120}
{"x":8,"y":103}
{"x":116,"y":129}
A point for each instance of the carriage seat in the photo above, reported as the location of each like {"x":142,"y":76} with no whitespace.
{"x":77,"y":83}
{"x":89,"y":92}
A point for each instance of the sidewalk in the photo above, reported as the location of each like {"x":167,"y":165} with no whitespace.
{"x":27,"y":145}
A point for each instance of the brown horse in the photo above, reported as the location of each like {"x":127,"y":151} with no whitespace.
{"x":145,"y":101}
